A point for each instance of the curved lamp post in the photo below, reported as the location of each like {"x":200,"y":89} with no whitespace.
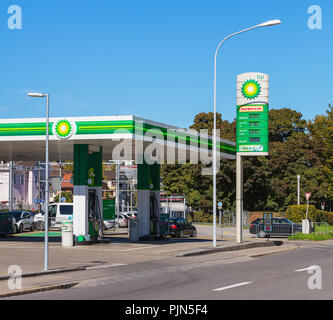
{"x":265,"y":24}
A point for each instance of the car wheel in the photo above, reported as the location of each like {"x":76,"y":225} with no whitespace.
{"x":194,"y":234}
{"x":21,"y":228}
{"x":262,"y":234}
{"x":40,"y":226}
{"x":181,"y":234}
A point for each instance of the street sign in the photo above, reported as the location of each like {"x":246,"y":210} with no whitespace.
{"x":323,"y":206}
{"x":37,"y":201}
{"x":307,"y":196}
{"x":220,"y":205}
{"x":252,"y":112}
{"x":268,"y":222}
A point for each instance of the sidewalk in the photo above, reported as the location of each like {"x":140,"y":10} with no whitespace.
{"x":68,"y":266}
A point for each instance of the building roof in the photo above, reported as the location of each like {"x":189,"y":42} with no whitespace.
{"x":67,"y":181}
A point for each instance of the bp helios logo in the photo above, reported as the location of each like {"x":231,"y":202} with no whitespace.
{"x":251,"y":89}
{"x":63,"y":129}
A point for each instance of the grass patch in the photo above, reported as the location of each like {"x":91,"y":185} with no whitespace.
{"x":316,"y":236}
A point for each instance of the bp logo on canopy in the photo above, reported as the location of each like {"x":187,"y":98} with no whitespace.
{"x":63,"y":129}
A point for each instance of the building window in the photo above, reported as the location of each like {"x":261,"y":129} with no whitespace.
{"x":22,"y":179}
{"x":14,"y":178}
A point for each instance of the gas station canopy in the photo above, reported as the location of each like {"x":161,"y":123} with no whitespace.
{"x":24,"y":139}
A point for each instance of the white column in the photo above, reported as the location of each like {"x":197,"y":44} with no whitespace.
{"x":144,"y":212}
{"x":80,"y":215}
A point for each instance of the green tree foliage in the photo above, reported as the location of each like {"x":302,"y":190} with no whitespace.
{"x":270,"y":183}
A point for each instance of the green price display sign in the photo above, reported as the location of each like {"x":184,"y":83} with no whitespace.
{"x":268,"y":222}
{"x":252,"y":113}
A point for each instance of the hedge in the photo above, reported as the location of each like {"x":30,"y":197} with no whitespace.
{"x":199,"y":216}
{"x":297,"y":213}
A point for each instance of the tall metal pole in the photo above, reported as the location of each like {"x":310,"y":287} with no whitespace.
{"x":47,"y":193}
{"x":214,"y":133}
{"x":117,"y":192}
{"x":298,"y":190}
{"x":10,"y":191}
{"x":46,"y":245}
{"x":265,"y":24}
{"x":239,"y":199}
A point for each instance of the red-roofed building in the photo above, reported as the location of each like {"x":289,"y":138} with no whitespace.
{"x":67,"y":182}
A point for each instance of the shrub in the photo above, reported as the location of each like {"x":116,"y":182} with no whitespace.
{"x":199,"y":216}
{"x":329,"y":217}
{"x":297,"y":213}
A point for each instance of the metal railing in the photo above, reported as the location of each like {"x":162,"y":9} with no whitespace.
{"x":279,"y":229}
{"x":321,"y":227}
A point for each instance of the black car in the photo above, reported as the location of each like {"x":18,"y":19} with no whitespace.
{"x":179,"y":227}
{"x":281,"y":227}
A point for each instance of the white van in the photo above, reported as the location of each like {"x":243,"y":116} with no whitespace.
{"x":58,"y":212}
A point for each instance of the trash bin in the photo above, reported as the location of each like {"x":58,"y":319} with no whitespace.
{"x":134,"y":229}
{"x":67,"y":233}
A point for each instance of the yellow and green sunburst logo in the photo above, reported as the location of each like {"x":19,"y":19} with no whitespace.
{"x":251,"y":89}
{"x":63,"y":129}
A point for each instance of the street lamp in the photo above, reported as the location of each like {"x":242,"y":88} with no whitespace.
{"x":46,"y":242}
{"x":264,"y":24}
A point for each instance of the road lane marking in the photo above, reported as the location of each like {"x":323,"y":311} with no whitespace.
{"x":139,"y":248}
{"x":107,"y":266}
{"x":306,"y":269}
{"x":232,"y":286}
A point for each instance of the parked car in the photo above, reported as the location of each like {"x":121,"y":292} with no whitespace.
{"x":122,"y":220}
{"x":179,"y":227}
{"x":22,"y":220}
{"x":130,"y":214}
{"x":108,"y":224}
{"x":281,"y":227}
{"x":58,"y":212}
{"x":6,"y":224}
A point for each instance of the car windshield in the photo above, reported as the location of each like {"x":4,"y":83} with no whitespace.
{"x":288,"y":221}
{"x":17,"y":215}
{"x":66,"y":210}
{"x":178,"y":220}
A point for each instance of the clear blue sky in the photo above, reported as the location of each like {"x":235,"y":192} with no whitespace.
{"x":154,"y":58}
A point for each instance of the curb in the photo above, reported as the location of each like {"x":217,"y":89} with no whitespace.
{"x":38,"y":289}
{"x":243,"y":246}
{"x":42,"y":273}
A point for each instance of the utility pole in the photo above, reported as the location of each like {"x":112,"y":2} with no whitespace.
{"x":298,"y":190}
{"x":239,"y":199}
{"x":10,"y":193}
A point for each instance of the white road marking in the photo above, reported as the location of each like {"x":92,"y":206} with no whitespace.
{"x":107,"y":266}
{"x":139,"y":248}
{"x":306,"y":269}
{"x":232,"y":286}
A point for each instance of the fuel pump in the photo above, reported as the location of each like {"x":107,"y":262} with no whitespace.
{"x":94,"y":217}
{"x":154,"y":215}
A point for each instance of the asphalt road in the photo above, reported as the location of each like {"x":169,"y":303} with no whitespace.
{"x":277,"y":276}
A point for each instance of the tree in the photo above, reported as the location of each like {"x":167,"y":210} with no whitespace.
{"x":270,"y":183}
{"x":188,"y":180}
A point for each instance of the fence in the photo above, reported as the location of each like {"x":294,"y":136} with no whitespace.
{"x":17,"y":207}
{"x":228,"y":218}
{"x":278,"y":229}
{"x":322,"y":227}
